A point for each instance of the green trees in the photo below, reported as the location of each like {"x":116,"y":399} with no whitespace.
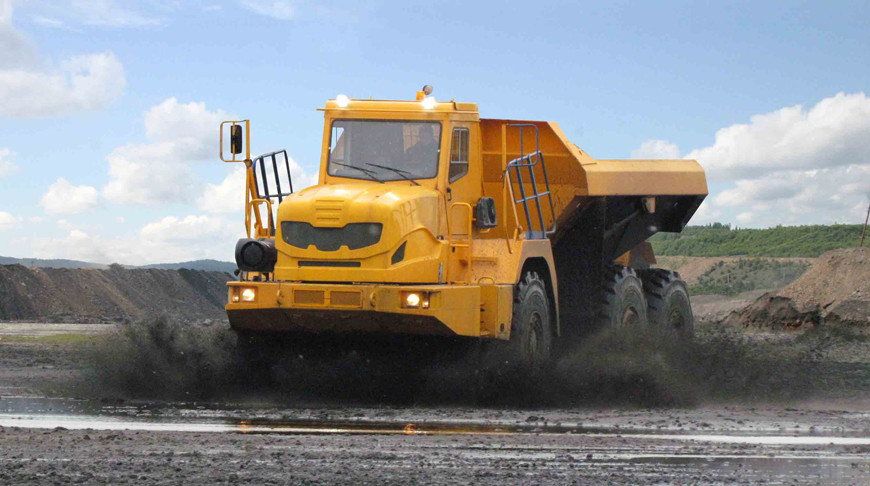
{"x":719,"y":239}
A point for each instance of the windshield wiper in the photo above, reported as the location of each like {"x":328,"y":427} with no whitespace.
{"x":367,"y":172}
{"x":402,"y":173}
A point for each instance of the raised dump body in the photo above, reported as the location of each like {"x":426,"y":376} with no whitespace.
{"x":427,"y":219}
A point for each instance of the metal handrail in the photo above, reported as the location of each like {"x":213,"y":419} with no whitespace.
{"x":262,"y":190}
{"x":531,"y":160}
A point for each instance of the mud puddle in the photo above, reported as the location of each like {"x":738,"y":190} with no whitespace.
{"x":50,"y":413}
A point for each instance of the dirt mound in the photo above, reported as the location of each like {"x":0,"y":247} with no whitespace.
{"x":775,"y":312}
{"x":692,"y":268}
{"x":836,"y":289}
{"x":112,"y":295}
{"x":839,"y":282}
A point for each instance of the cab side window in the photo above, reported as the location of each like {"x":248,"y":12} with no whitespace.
{"x":459,"y":154}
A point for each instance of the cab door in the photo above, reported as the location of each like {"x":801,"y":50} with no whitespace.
{"x":463,"y":191}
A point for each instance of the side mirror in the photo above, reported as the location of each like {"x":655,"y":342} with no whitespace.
{"x":484,"y":213}
{"x":236,"y":139}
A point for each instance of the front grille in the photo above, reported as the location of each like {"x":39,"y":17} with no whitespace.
{"x":326,"y":263}
{"x":352,"y":235}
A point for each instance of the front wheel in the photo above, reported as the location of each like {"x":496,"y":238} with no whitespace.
{"x":531,"y":338}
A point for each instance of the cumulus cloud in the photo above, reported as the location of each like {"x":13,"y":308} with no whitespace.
{"x":270,"y":8}
{"x":159,"y":171}
{"x":228,"y":197}
{"x":833,"y":133}
{"x":65,"y":198}
{"x":656,"y":149}
{"x":81,"y":83}
{"x":172,"y":229}
{"x":790,"y":166}
{"x":28,"y":89}
{"x":8,"y":221}
{"x":170,"y":239}
{"x":6,"y":167}
{"x":15,"y":50}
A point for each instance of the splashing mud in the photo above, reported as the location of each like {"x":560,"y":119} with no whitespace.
{"x":162,"y":359}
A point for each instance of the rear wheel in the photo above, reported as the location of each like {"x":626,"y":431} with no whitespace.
{"x":531,"y":338}
{"x":623,"y":304}
{"x":669,"y":306}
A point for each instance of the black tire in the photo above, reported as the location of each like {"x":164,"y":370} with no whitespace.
{"x":531,"y":340}
{"x":623,"y":303}
{"x":668,"y":298}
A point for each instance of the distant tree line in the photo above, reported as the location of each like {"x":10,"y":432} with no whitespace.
{"x":717,"y":239}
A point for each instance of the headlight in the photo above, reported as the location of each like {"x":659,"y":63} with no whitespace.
{"x":249,"y":294}
{"x":415,"y":300}
{"x":342,"y":101}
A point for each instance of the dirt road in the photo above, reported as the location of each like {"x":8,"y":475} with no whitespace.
{"x":251,"y":440}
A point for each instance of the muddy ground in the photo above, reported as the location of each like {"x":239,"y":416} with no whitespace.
{"x":795,"y":417}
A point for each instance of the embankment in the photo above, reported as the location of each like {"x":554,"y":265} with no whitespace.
{"x":115,"y":294}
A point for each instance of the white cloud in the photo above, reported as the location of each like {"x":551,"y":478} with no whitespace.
{"x":81,"y":83}
{"x":833,"y":133}
{"x":228,"y":197}
{"x":656,"y":149}
{"x":745,"y":217}
{"x":170,"y":239}
{"x":8,"y":221}
{"x":65,"y":198}
{"x":790,"y":166}
{"x":159,"y":172}
{"x":270,"y":8}
{"x":6,"y":167}
{"x":15,"y":50}
{"x":172,"y":229}
{"x":30,"y":87}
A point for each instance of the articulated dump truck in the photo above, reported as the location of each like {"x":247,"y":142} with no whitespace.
{"x":429,"y":220}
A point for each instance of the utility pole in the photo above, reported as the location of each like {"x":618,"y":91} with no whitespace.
{"x":864,"y":231}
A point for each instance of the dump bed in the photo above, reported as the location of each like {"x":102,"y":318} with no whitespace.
{"x":637,"y":197}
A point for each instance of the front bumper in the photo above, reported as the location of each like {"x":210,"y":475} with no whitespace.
{"x":288,"y":306}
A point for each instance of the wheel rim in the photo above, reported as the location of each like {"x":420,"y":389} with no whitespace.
{"x":535,"y":328}
{"x":630,"y":317}
{"x":675,"y":319}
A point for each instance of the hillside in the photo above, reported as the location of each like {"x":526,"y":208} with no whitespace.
{"x":112,"y":295}
{"x":50,"y":263}
{"x":207,"y":265}
{"x":782,"y":241}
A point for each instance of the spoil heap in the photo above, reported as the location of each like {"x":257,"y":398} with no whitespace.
{"x":112,"y":295}
{"x":836,"y":289}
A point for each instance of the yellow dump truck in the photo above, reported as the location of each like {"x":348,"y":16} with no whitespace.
{"x":429,"y":220}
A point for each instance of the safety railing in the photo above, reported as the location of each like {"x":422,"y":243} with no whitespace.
{"x":279,"y":174}
{"x":528,"y":162}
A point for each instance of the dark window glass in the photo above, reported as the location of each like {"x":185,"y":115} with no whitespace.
{"x":459,"y":154}
{"x":402,"y":148}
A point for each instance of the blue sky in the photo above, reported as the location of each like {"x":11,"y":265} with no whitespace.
{"x":109,"y":109}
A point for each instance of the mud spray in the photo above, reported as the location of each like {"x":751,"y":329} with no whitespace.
{"x":162,"y":359}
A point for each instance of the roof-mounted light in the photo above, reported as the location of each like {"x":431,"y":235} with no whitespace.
{"x":342,"y":101}
{"x":428,"y":102}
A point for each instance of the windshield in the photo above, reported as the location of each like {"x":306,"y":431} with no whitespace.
{"x":384,"y":150}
